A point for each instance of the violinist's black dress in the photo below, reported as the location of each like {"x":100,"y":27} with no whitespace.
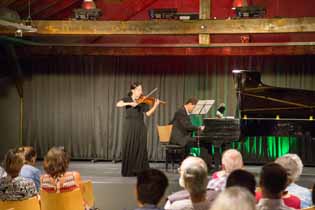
{"x":134,"y":145}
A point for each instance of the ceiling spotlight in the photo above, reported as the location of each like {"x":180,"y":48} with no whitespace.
{"x":88,"y":4}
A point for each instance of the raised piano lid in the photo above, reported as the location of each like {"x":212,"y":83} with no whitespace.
{"x":257,"y":100}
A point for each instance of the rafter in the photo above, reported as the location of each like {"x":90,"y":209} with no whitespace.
{"x":175,"y":27}
{"x":168,"y":51}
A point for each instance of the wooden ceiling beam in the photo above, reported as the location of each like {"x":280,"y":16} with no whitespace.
{"x":174,"y":27}
{"x":166,"y":51}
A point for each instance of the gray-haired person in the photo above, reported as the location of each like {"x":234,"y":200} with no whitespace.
{"x":193,"y":178}
{"x":294,"y":167}
{"x":236,"y":198}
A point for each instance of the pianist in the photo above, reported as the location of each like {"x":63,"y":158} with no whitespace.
{"x":182,"y":126}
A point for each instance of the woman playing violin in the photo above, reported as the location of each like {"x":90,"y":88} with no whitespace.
{"x":134,"y":146}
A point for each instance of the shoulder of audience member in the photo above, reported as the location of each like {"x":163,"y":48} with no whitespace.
{"x":180,"y":195}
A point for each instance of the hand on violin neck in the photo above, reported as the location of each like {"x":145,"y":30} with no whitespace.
{"x":156,"y":102}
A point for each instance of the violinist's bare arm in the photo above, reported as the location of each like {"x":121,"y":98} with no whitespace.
{"x":152,"y":110}
{"x":121,"y":103}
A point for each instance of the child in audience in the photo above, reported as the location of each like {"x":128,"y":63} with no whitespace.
{"x":150,"y":188}
{"x":58,"y":179}
{"x":29,"y":170}
{"x":13,"y":186}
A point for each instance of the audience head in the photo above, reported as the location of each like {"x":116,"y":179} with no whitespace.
{"x":242,"y":178}
{"x":28,"y":154}
{"x":236,"y":198}
{"x":12,"y":163}
{"x":193,"y":176}
{"x":151,"y":185}
{"x":292,"y":164}
{"x":56,"y":162}
{"x":231,"y":160}
{"x":273,"y":180}
{"x":190,"y":104}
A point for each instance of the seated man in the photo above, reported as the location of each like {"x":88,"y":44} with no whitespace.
{"x":273,"y":181}
{"x":182,"y":126}
{"x":151,"y":186}
{"x":14,"y":187}
{"x":294,"y":167}
{"x":193,"y":177}
{"x":231,"y":160}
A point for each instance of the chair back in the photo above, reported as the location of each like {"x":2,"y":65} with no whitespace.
{"x":29,"y":204}
{"x":164,"y":132}
{"x":62,"y":201}
{"x":88,"y":193}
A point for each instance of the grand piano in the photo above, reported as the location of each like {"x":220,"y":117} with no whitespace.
{"x":263,"y":110}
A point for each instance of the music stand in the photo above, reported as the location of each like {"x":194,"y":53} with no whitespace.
{"x":203,"y":106}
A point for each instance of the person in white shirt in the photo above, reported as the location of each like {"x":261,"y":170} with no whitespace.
{"x":273,"y":181}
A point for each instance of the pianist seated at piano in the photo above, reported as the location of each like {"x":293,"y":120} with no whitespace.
{"x":220,"y":111}
{"x":182,"y":126}
{"x":231,"y":160}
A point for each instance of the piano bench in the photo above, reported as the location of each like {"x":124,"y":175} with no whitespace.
{"x":173,"y":154}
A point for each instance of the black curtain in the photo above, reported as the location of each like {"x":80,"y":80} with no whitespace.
{"x":70,"y":100}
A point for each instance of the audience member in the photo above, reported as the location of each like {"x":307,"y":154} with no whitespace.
{"x":242,"y":178}
{"x":273,"y":181}
{"x":13,"y":186}
{"x":193,"y":177}
{"x":29,"y":170}
{"x":234,"y":198}
{"x":2,"y":172}
{"x":58,"y":179}
{"x":150,"y":188}
{"x":231,"y":160}
{"x":313,"y":194}
{"x":294,"y":167}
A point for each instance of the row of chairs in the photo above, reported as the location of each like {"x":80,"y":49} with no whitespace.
{"x":52,"y":201}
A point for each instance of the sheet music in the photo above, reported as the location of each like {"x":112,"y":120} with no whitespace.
{"x":203,"y":106}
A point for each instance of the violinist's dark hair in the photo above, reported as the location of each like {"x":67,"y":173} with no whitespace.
{"x":192,"y":100}
{"x":133,"y":86}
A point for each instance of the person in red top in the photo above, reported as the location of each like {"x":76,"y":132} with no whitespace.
{"x":288,"y":199}
{"x":58,"y":179}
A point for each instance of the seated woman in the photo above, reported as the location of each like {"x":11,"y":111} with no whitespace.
{"x":29,"y":170}
{"x":58,"y":179}
{"x":13,"y":186}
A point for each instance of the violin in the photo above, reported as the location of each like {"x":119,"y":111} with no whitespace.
{"x":148,"y":100}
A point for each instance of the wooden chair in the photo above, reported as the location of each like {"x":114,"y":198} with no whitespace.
{"x":88,"y":193}
{"x":309,"y":208}
{"x":29,"y":204}
{"x":173,"y":152}
{"x":72,"y":200}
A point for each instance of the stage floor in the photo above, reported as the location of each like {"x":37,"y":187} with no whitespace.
{"x":113,"y":192}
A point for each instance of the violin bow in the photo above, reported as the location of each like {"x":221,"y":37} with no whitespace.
{"x":152,"y":91}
